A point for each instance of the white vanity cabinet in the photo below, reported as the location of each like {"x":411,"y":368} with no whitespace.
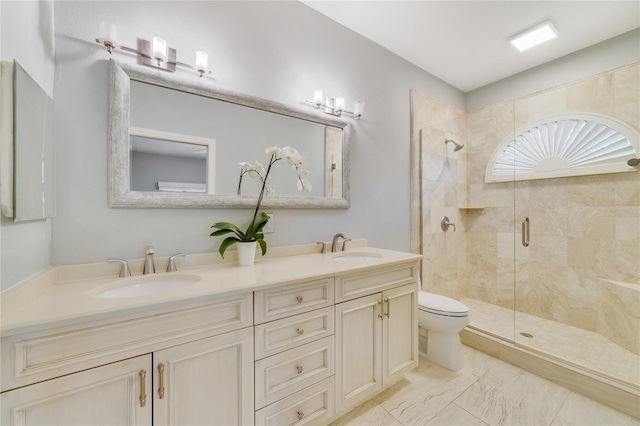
{"x":206,"y":382}
{"x":295,"y":354}
{"x":293,"y":347}
{"x":114,"y":394}
{"x":77,"y":375}
{"x":376,"y":334}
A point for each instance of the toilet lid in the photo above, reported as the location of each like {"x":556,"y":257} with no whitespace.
{"x":440,"y":303}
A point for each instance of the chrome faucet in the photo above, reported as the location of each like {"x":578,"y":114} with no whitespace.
{"x":124,"y":271}
{"x":171,"y":267}
{"x":334,"y":242}
{"x":149,"y":267}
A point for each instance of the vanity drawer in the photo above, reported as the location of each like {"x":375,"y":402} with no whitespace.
{"x":313,"y":405}
{"x":294,"y":299}
{"x":352,"y":286}
{"x":287,"y":333}
{"x":281,"y":375}
{"x":38,"y":356}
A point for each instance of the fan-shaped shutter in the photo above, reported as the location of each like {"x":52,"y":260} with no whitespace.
{"x":568,"y":145}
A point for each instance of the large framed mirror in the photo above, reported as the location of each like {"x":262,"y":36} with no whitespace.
{"x":179,"y":144}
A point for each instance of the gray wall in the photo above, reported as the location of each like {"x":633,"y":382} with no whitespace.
{"x":275,"y":50}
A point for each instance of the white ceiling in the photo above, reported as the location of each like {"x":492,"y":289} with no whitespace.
{"x":466,"y":43}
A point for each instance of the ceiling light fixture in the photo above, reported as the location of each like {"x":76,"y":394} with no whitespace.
{"x":534,"y":36}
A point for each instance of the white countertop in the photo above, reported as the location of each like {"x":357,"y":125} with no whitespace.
{"x":64,"y":303}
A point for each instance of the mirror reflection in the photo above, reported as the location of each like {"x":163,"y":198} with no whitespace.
{"x":160,"y":129}
{"x":34,"y":155}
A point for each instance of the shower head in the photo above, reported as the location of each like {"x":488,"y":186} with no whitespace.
{"x":457,"y":146}
{"x":633,"y":162}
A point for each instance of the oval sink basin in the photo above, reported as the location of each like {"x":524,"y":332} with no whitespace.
{"x":144,"y":286}
{"x":356,"y":257}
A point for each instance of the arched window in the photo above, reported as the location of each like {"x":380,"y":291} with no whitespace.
{"x":565,"y":145}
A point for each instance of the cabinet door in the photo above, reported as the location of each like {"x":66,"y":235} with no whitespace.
{"x":114,"y":394}
{"x":400,"y":332}
{"x":359,"y":350}
{"x":206,"y":382}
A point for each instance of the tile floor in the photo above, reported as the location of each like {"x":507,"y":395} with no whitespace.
{"x":486,"y":391}
{"x":581,"y":347}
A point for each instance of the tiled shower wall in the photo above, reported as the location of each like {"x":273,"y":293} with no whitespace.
{"x":582,"y":266}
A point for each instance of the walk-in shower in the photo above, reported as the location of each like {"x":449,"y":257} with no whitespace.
{"x":572,"y":296}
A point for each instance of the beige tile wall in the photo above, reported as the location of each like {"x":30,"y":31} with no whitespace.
{"x":584,"y":230}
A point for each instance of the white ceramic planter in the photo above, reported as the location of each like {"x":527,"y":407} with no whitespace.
{"x":246,"y":252}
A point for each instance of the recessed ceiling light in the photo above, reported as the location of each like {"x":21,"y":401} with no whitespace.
{"x":534,"y":36}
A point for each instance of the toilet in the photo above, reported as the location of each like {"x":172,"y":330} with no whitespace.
{"x":443,"y":318}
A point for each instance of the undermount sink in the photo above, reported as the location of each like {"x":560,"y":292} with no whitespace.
{"x":144,"y":285}
{"x":356,"y":257}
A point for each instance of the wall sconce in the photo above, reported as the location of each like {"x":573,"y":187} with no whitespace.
{"x":154,"y":53}
{"x":335,"y":106}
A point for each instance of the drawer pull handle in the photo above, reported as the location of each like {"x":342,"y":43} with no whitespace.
{"x":143,"y":393}
{"x":388,"y":313}
{"x":300,"y":415}
{"x":380,"y":310}
{"x":161,"y":380}
{"x":300,"y":331}
{"x":299,"y":369}
{"x":299,"y":299}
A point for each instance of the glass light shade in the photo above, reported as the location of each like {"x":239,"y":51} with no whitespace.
{"x":202,"y":61}
{"x":358,"y":107}
{"x":159,"y":48}
{"x":534,"y":36}
{"x":108,"y":33}
{"x":339,"y":105}
{"x":317,"y":98}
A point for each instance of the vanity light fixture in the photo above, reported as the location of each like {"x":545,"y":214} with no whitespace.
{"x":335,"y":106}
{"x":154,"y":53}
{"x":534,"y":36}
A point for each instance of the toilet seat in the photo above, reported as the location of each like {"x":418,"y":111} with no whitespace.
{"x":441,"y":305}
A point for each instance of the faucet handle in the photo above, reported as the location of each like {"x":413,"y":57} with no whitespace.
{"x":324,"y":246}
{"x":124,"y":271}
{"x":172,"y":262}
{"x":344,"y":243}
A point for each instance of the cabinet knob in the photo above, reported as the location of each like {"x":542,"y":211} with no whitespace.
{"x":300,"y":331}
{"x":299,"y":369}
{"x":300,"y":415}
{"x":299,"y":299}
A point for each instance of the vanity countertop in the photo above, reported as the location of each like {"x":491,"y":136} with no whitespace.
{"x":61,"y":304}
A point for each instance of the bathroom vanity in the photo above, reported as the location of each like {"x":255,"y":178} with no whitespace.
{"x":294,"y":339}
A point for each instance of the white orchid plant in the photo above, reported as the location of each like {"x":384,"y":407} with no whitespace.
{"x":260,"y":219}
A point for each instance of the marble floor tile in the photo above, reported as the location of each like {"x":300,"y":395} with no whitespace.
{"x":454,"y":415}
{"x":582,"y":348}
{"x":507,"y":395}
{"x":368,"y":413}
{"x":426,"y":392}
{"x":487,"y":391}
{"x":581,"y":411}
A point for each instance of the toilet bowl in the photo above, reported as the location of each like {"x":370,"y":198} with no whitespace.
{"x":443,"y":318}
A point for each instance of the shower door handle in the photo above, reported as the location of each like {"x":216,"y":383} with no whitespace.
{"x":525,"y":232}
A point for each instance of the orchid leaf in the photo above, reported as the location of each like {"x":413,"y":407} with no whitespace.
{"x":221,"y":232}
{"x":263,"y":245}
{"x":229,"y":241}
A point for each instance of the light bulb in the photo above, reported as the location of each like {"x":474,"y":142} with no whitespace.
{"x":202,"y":61}
{"x":317,"y":98}
{"x":159,"y":49}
